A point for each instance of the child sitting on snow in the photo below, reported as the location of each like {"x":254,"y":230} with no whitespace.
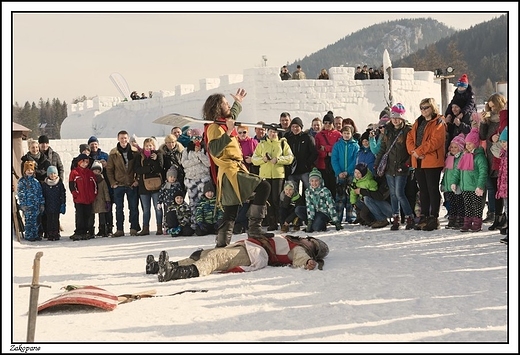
{"x":178,"y":217}
{"x":320,"y":208}
{"x":207,"y":217}
{"x":289,"y":199}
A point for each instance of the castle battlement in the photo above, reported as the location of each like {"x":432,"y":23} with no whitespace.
{"x":268,"y":96}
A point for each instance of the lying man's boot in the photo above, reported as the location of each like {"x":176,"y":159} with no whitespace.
{"x":182,"y":272}
{"x":152,"y":266}
{"x":164,"y":265}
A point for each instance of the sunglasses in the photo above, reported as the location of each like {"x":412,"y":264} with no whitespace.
{"x":424,"y":107}
{"x":327,"y":122}
{"x":197,"y":137}
{"x":243,"y":132}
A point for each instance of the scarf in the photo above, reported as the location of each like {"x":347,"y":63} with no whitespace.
{"x":51,"y":182}
{"x":147,"y":153}
{"x":466,"y":162}
{"x":450,"y":160}
{"x":127,"y":150}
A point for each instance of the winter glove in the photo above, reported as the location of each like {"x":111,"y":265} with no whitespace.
{"x":309,"y":228}
{"x":62,"y":208}
{"x":339,"y":226}
{"x":108,"y":204}
{"x":42,"y":208}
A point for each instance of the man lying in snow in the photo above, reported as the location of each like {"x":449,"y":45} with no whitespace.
{"x":245,"y":255}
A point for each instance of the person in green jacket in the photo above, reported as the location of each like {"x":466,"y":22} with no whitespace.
{"x":471,"y":179}
{"x":454,"y":199}
{"x":272,"y":155}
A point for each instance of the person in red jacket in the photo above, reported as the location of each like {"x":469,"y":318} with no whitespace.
{"x":83,"y":186}
{"x":246,"y":255}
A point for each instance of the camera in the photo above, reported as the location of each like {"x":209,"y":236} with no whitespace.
{"x":375,"y":132}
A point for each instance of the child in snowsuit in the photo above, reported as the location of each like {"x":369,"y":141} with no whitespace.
{"x":454,"y":199}
{"x":168,"y":189}
{"x":178,"y":217}
{"x":471,"y":179}
{"x":31,"y":200}
{"x":319,"y":209}
{"x":54,"y":194}
{"x":207,"y":217}
{"x":289,"y":199}
{"x":363,"y":179}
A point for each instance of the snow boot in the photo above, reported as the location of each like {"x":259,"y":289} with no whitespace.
{"x":432,"y":223}
{"x":152,"y":266}
{"x":467,"y":224}
{"x":145,"y":231}
{"x":159,"y":230}
{"x":476,"y":225}
{"x":164,"y":266}
{"x":452,"y":222}
{"x":420,"y":224}
{"x":410,"y":222}
{"x":255,"y":214}
{"x":395,"y":222}
{"x":181,"y":272}
{"x":224,"y":234}
{"x":497,"y":223}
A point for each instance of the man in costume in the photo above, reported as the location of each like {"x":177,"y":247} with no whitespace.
{"x":245,"y":255}
{"x":235,"y":185}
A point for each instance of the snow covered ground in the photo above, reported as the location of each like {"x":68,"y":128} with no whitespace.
{"x":379,"y":290}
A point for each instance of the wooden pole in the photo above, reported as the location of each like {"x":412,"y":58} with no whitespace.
{"x":33,"y":300}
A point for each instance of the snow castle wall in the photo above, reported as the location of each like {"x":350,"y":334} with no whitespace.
{"x":268,"y":96}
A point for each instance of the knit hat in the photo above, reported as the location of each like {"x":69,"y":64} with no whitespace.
{"x":178,"y":193}
{"x":92,"y":139}
{"x":364,"y":136}
{"x":362,"y":168}
{"x":208,"y":186}
{"x":459,"y":101}
{"x":463,"y":81}
{"x":195,"y":132}
{"x":52,"y":170}
{"x":30,"y":164}
{"x":398,"y":111}
{"x":172,"y":171}
{"x":83,"y":147}
{"x":82,"y":157}
{"x":459,"y":140}
{"x":43,"y":139}
{"x":315,"y":173}
{"x":385,"y":112}
{"x":384,"y":120}
{"x":503,"y":135}
{"x":97,"y":165}
{"x":289,"y":184}
{"x":473,"y":137}
{"x":298,"y":121}
{"x":329,"y":117}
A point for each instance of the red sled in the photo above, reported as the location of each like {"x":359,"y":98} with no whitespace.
{"x":85,"y":296}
